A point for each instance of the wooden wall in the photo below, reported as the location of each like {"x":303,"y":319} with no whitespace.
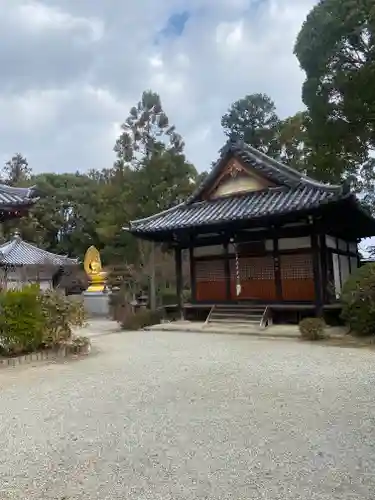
{"x":292,"y":279}
{"x":257,"y":278}
{"x":297,"y":278}
{"x":210,"y":280}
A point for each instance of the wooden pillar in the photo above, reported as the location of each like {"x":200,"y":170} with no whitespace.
{"x":152,"y":278}
{"x":324,"y":266}
{"x":178,"y":263}
{"x":339,"y":261}
{"x":193,"y":277}
{"x":227,"y":271}
{"x":317,"y":270}
{"x":277,"y":270}
{"x":349,"y":259}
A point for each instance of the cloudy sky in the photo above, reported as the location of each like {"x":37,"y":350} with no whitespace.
{"x":71,"y":70}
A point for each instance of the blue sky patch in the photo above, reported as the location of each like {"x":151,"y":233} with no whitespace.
{"x":175,"y":25}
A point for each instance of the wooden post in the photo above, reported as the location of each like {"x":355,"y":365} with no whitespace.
{"x":152,"y":279}
{"x":193,"y":286}
{"x":226,"y":271}
{"x":178,"y":263}
{"x":324,"y":266}
{"x":317,"y":271}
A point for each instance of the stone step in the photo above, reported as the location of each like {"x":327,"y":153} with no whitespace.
{"x":229,"y":321}
{"x":245,"y":315}
{"x":238,"y":314}
{"x":239,"y":308}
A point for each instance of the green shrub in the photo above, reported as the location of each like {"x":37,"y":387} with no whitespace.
{"x":312,"y":328}
{"x":22,"y":321}
{"x":358,"y":301}
{"x":140,"y":319}
{"x":168,"y":297}
{"x":60,"y":313}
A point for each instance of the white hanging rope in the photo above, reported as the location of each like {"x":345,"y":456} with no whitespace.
{"x":237,"y":263}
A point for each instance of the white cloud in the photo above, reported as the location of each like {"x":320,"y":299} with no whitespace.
{"x":156,"y":61}
{"x":68,"y":103}
{"x":36,"y":17}
{"x":230,"y":35}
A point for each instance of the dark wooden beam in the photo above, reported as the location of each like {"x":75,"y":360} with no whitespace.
{"x":179,"y":283}
{"x":324,"y":265}
{"x":193,"y":283}
{"x":296,"y":251}
{"x":317,"y":271}
{"x":248,"y":236}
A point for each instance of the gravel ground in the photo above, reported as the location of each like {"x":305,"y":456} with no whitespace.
{"x":158,"y":415}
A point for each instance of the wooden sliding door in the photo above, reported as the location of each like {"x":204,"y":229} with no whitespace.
{"x":210,"y":280}
{"x":297,"y":277}
{"x":256,"y":276}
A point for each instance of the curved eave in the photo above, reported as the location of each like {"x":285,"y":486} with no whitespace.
{"x":19,"y":253}
{"x":134,"y":223}
{"x":240,"y":210}
{"x":17,"y":195}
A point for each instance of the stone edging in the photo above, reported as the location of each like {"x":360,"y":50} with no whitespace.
{"x":49,"y":354}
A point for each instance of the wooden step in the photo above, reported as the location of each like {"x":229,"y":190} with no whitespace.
{"x":249,"y":316}
{"x":236,"y":314}
{"x":228,"y":321}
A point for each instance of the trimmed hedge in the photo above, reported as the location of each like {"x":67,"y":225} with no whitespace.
{"x":358,"y":301}
{"x":312,"y":328}
{"x":60,"y":314}
{"x":21,"y":321}
{"x":31,"y":320}
{"x":140,"y":319}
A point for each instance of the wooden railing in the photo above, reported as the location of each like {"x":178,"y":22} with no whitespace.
{"x":266,"y":317}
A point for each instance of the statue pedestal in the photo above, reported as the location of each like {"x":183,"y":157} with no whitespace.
{"x":96,"y":303}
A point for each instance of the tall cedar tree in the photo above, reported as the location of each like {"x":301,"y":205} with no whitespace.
{"x":146,"y":131}
{"x":152,"y":150}
{"x":336,"y":49}
{"x":253,"y":119}
{"x":16,"y":171}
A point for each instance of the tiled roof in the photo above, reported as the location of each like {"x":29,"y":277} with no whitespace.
{"x":294,"y":192}
{"x":17,"y":252}
{"x":16,"y":196}
{"x":275,"y":171}
{"x":276,"y":201}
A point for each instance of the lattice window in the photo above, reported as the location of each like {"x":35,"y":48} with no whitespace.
{"x":296,"y":267}
{"x":254,"y":268}
{"x":209,"y":270}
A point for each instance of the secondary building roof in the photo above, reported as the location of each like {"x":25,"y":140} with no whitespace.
{"x":14,"y":201}
{"x":279,"y":190}
{"x":18,"y":252}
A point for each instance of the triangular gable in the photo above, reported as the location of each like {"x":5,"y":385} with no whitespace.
{"x":236,"y":178}
{"x":242,"y":168}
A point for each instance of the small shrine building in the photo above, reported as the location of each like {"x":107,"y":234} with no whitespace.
{"x":23,"y":263}
{"x":260,"y":232}
{"x":15,"y":202}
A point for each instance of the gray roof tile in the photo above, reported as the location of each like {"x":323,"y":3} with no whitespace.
{"x":295,"y":192}
{"x":16,"y":196}
{"x":18,"y":252}
{"x":252,"y":205}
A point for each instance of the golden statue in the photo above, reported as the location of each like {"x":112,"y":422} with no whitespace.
{"x":93,"y":267}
